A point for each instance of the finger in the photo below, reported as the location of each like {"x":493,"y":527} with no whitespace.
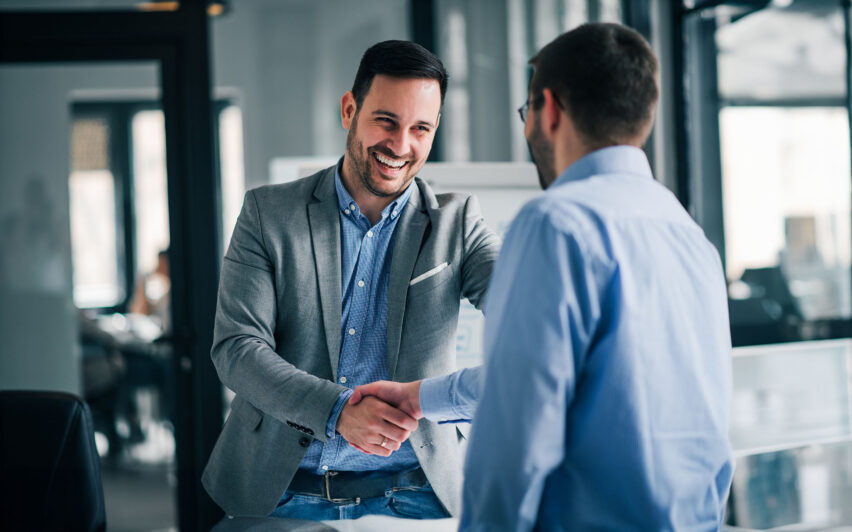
{"x":399,"y":418}
{"x":376,"y":449}
{"x":359,"y":448}
{"x":392,"y":445}
{"x":392,"y":432}
{"x":363,"y":391}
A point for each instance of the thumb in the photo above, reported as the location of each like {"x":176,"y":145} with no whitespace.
{"x":363,"y":391}
{"x":356,"y":396}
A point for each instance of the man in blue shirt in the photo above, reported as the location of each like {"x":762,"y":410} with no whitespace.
{"x":345,"y":277}
{"x":605,"y":399}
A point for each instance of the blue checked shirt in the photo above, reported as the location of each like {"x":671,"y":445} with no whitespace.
{"x":366,"y":260}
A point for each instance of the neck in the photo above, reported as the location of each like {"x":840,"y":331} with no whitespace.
{"x":567,"y":154}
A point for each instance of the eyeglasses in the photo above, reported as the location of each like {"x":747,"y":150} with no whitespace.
{"x":525,"y":109}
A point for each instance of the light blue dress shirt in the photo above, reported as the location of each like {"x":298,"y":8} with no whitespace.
{"x":605,"y":399}
{"x":366,"y":253}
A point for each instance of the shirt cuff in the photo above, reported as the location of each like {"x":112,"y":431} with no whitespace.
{"x":330,"y":431}
{"x":436,"y":400}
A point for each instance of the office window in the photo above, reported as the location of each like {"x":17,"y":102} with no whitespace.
{"x":119,"y":195}
{"x":150,"y":195}
{"x":770,"y":160}
{"x":231,"y":165}
{"x":486,"y":46}
{"x":98,"y":280}
{"x":785,"y":177}
{"x":770,"y":181}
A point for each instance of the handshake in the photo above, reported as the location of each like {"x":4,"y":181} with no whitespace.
{"x":380,"y":416}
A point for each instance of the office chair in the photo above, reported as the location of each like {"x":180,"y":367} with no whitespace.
{"x":50,"y":477}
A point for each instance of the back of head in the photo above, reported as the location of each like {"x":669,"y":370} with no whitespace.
{"x":605,"y":75}
{"x":399,"y":59}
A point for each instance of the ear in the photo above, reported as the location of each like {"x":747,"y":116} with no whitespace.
{"x":348,"y":107}
{"x":551,"y":113}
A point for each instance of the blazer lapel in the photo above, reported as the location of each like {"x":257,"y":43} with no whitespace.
{"x":410,"y":230}
{"x":324,"y":222}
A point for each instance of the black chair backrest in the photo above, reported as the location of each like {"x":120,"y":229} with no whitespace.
{"x":50,"y":476}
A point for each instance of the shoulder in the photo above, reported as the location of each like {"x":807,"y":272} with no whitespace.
{"x":300,"y":190}
{"x":558,"y":213}
{"x":447,"y":201}
{"x":552,"y":218}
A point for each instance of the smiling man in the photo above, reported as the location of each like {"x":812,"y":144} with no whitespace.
{"x":349,"y":276}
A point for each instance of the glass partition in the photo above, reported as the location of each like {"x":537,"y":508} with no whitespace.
{"x":66,"y":237}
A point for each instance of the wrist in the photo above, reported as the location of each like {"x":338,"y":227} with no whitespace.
{"x":414,"y":396}
{"x":340,"y":406}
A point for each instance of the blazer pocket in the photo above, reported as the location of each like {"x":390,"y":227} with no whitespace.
{"x":430,"y":279}
{"x":429,"y":273}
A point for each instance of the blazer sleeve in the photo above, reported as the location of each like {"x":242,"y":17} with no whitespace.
{"x":243,"y":349}
{"x":481,"y":247}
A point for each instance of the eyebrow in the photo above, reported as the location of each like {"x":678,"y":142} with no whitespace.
{"x":395,"y":117}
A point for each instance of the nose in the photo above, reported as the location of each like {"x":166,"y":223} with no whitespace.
{"x":401,"y":142}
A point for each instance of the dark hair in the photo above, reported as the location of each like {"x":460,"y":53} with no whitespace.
{"x":399,"y":59}
{"x":605,"y":75}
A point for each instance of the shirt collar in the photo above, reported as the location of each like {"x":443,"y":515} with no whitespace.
{"x":611,"y":160}
{"x":348,"y":205}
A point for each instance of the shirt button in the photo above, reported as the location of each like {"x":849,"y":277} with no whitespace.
{"x":345,"y":211}
{"x":393,"y":214}
{"x":370,"y":234}
{"x":351,"y":332}
{"x":325,"y":468}
{"x":352,"y":206}
{"x":361,"y":284}
{"x":343,"y":380}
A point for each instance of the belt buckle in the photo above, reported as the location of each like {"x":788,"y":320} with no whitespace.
{"x":327,"y":476}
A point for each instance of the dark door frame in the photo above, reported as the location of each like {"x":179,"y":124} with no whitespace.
{"x":179,"y":42}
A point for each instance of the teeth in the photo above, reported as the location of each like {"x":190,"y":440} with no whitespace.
{"x":390,"y":162}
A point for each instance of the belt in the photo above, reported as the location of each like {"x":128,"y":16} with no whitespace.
{"x":341,"y":486}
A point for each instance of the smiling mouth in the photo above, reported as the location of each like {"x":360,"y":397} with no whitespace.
{"x":388,"y":163}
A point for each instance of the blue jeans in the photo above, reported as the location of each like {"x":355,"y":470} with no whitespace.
{"x":410,"y":503}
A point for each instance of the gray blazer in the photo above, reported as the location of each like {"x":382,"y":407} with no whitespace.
{"x":277,"y":332}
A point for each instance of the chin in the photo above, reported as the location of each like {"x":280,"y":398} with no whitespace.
{"x":387,"y":186}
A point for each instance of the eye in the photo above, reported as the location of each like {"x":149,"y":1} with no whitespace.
{"x":385,"y":121}
{"x":422,"y":129}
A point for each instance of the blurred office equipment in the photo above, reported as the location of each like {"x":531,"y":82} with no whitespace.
{"x":50,"y":476}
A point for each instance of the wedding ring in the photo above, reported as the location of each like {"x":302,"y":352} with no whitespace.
{"x":384,"y":442}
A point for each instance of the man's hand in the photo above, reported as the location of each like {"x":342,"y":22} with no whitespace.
{"x":375,"y":427}
{"x":403,"y":395}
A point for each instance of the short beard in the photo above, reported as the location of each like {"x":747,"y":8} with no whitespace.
{"x":542,"y":155}
{"x":361,"y":167}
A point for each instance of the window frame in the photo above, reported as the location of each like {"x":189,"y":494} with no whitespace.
{"x":119,"y":115}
